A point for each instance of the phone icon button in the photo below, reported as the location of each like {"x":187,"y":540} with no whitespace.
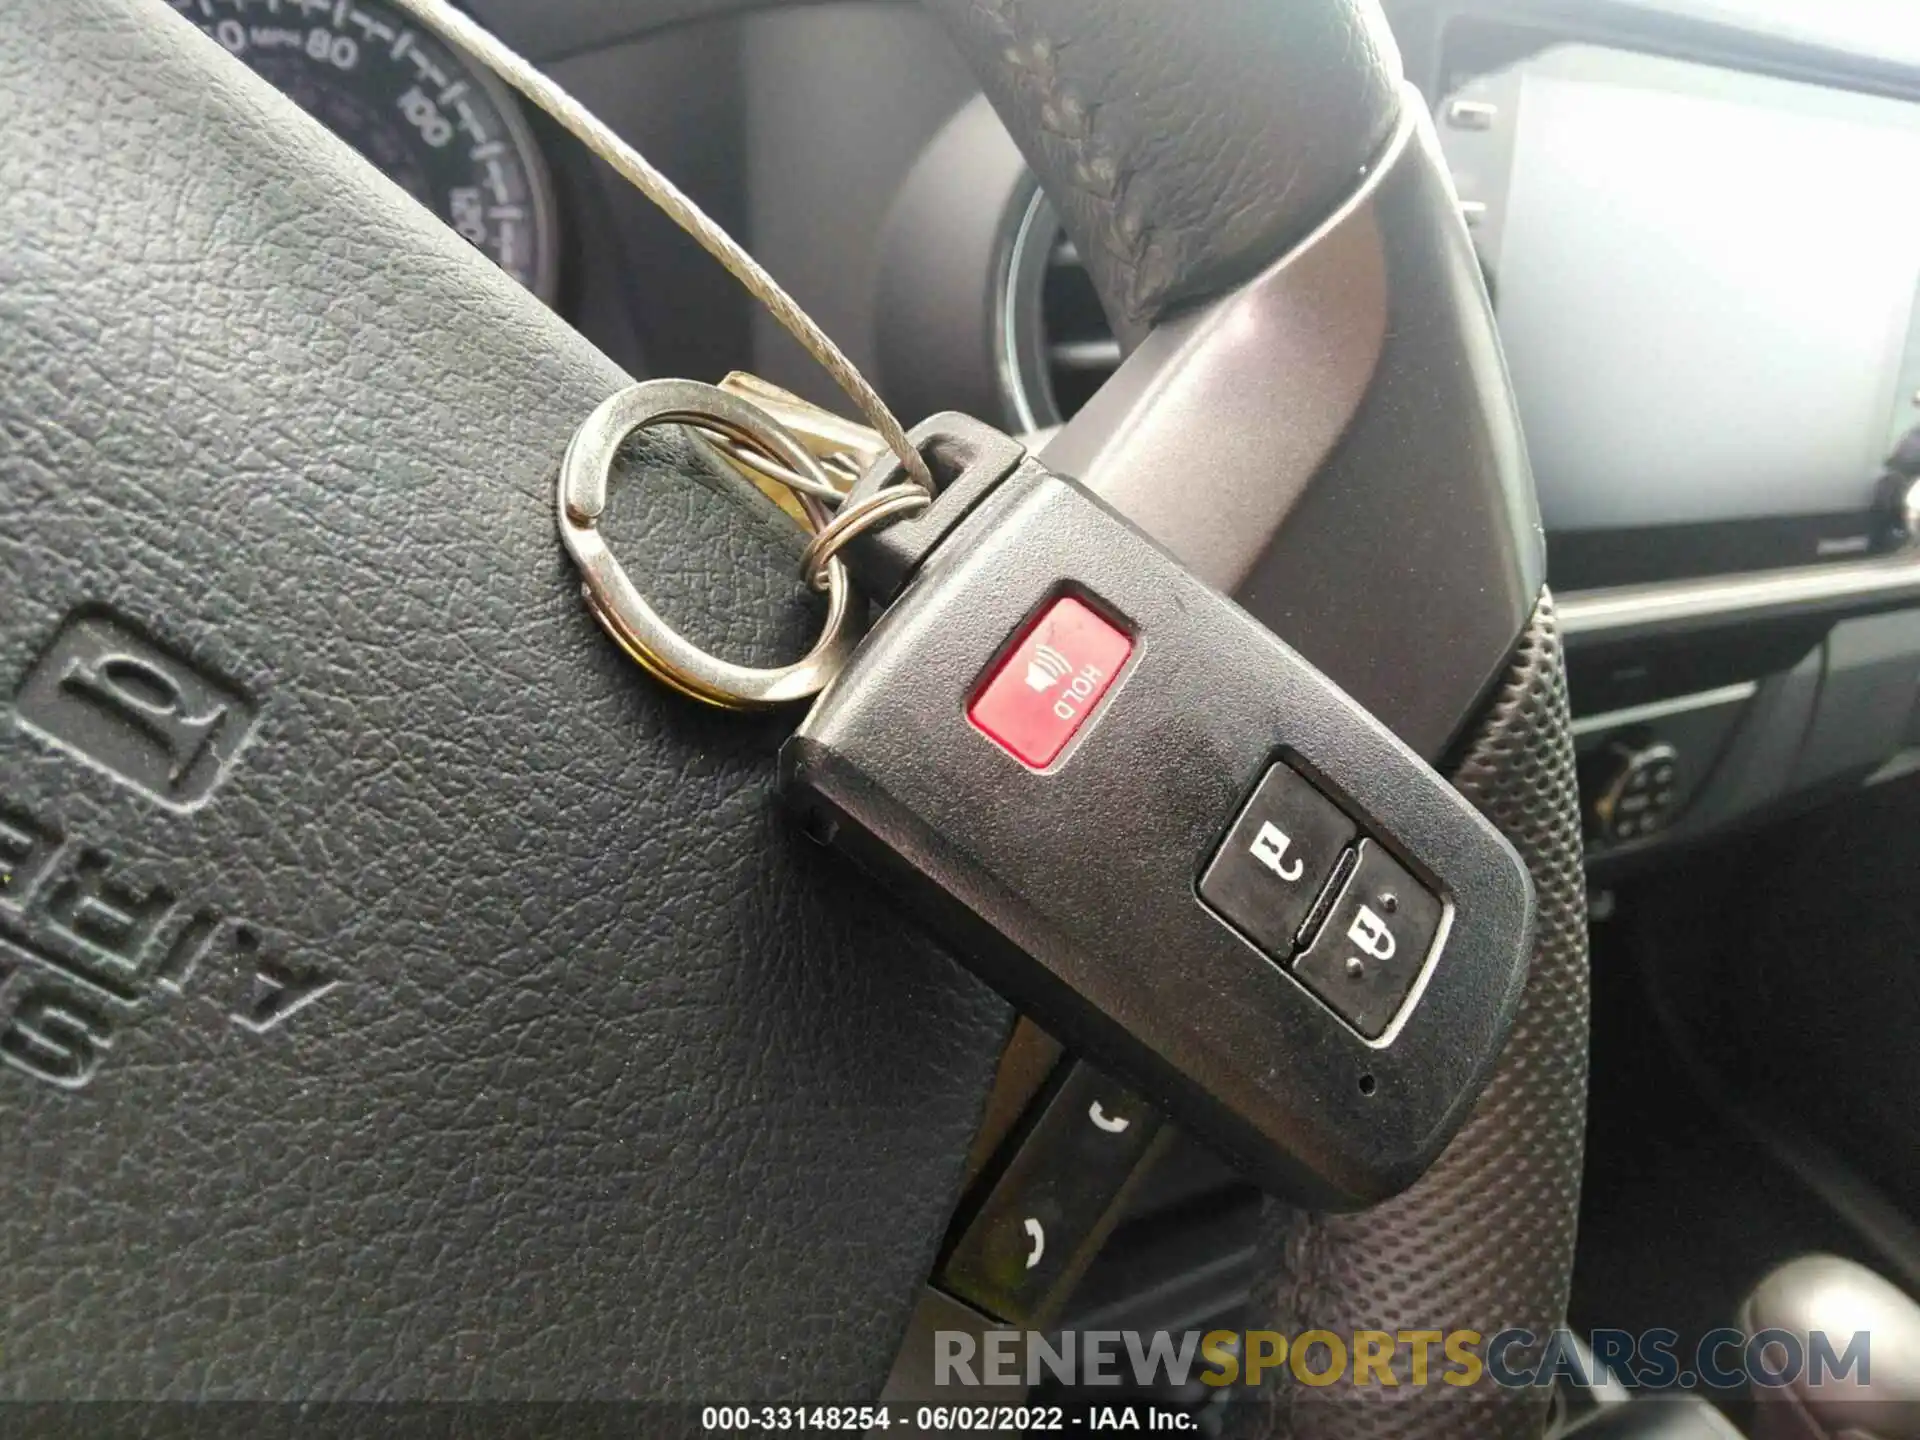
{"x":1050,"y":1203}
{"x":1036,"y":1241}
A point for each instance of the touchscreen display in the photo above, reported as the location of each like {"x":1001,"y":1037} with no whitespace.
{"x":1706,"y":284}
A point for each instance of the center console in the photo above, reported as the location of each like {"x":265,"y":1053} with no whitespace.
{"x":1701,"y":246}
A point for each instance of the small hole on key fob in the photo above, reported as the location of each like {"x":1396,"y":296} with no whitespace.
{"x":820,"y":826}
{"x":1367,"y":1084}
{"x":947,"y":458}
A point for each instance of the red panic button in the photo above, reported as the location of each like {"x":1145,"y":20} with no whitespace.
{"x":1043,"y":692}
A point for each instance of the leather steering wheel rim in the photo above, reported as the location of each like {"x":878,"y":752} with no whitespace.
{"x":1283,"y":110}
{"x":401,"y":996}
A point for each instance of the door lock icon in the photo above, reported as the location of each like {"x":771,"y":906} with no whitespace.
{"x":1269,"y":847}
{"x":1369,"y":932}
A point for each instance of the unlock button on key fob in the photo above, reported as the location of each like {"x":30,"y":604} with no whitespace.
{"x":1276,"y":860}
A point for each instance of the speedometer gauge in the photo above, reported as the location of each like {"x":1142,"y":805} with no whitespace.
{"x":444,"y":131}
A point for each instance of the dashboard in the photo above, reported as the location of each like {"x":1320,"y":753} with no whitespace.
{"x":437,"y":125}
{"x":1692,"y":216}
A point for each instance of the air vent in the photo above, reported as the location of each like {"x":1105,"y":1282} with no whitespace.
{"x":1060,"y":348}
{"x":1076,"y":341}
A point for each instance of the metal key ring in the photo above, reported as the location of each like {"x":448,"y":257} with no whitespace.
{"x":585,"y":473}
{"x":891,"y":503}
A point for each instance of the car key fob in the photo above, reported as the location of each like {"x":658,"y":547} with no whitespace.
{"x":1164,"y":834}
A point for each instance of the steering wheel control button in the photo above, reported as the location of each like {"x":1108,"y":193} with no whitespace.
{"x":1269,"y":873}
{"x":1048,"y":1211}
{"x":1138,"y":876}
{"x":1373,"y":945}
{"x":1037,"y":699}
{"x":1472,"y":114}
{"x":1640,"y":796}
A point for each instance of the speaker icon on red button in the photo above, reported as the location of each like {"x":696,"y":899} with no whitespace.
{"x":1047,"y":668}
{"x":1040,"y":695}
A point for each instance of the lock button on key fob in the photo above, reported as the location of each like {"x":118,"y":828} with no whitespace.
{"x":1370,"y":952}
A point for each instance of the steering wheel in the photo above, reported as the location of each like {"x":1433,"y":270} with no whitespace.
{"x":401,"y":996}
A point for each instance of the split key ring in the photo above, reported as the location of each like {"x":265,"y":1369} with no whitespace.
{"x":585,"y":474}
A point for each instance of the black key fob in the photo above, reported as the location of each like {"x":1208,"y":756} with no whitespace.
{"x":1163,"y":834}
